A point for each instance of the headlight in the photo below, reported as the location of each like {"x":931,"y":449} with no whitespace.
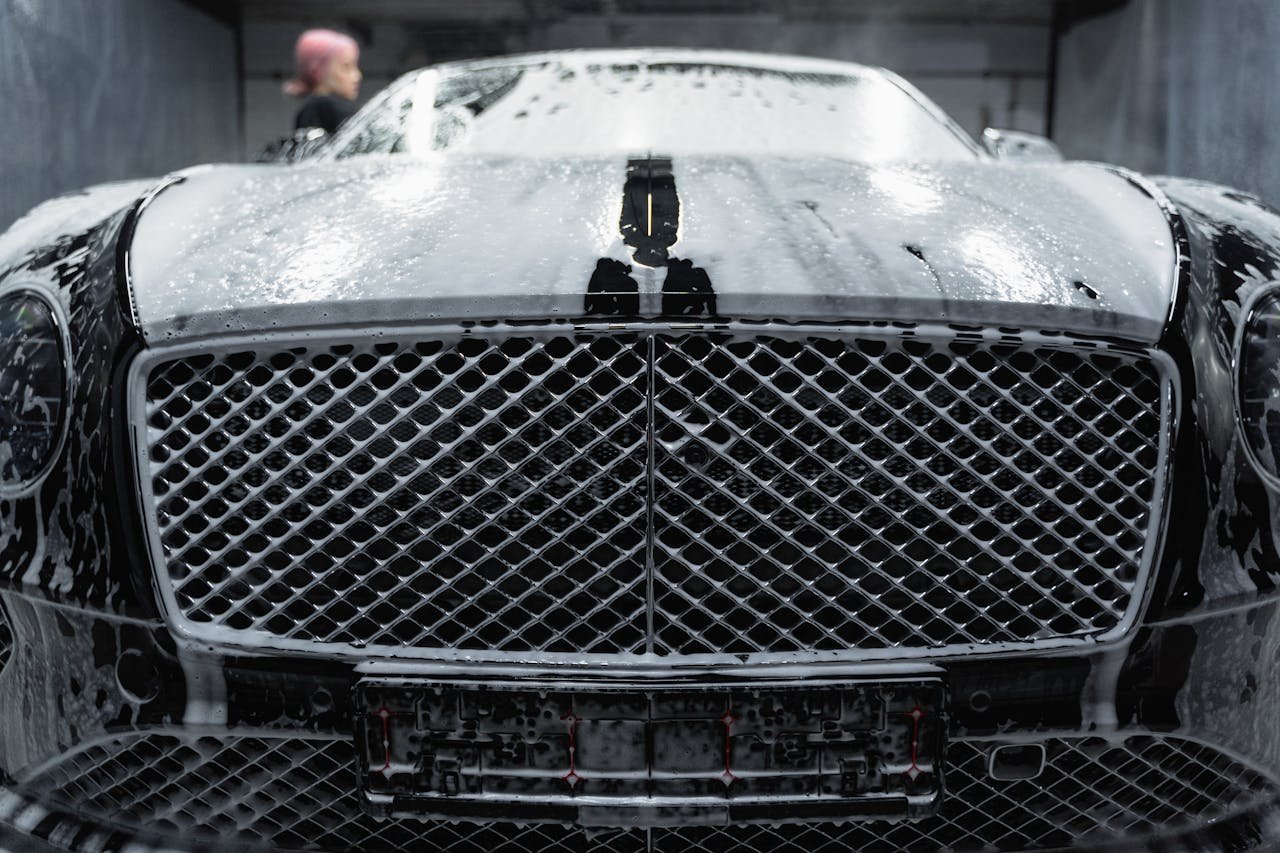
{"x":33,"y":389}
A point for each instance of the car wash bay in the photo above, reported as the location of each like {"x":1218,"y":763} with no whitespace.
{"x":133,"y":88}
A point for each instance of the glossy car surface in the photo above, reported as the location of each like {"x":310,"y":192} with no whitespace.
{"x":641,"y":450}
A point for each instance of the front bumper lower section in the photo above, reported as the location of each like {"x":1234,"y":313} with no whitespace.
{"x":181,"y":788}
{"x":263,"y":754}
{"x":652,"y":755}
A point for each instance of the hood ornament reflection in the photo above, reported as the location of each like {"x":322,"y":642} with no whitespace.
{"x":650,"y":225}
{"x":650,"y":217}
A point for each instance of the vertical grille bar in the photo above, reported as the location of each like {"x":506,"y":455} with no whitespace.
{"x":649,"y":495}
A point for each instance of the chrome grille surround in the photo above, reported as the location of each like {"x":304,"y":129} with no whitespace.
{"x":595,"y":493}
{"x":266,"y":787}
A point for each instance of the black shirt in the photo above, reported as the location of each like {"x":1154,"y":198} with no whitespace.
{"x":324,"y":111}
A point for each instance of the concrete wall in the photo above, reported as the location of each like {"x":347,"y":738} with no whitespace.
{"x":982,"y":73}
{"x":100,"y":90}
{"x":1185,"y":87}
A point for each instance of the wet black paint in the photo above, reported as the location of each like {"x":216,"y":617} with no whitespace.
{"x":1220,"y":514}
{"x":650,"y":224}
{"x":650,"y":210}
{"x":1155,"y":671}
{"x":687,"y":291}
{"x":612,"y":291}
{"x":1024,"y":694}
{"x":82,"y":503}
{"x":1032,"y":693}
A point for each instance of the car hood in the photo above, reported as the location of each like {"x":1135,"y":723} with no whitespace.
{"x":393,"y":240}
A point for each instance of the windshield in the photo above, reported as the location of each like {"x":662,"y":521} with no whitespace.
{"x":556,"y":108}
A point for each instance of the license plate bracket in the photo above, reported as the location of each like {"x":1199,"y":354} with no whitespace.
{"x":651,"y":754}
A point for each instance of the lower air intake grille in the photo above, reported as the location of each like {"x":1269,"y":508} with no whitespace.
{"x":631,"y":491}
{"x":295,"y":793}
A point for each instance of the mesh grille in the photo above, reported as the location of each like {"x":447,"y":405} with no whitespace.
{"x":304,"y":494}
{"x":300,"y":792}
{"x":826,"y":494}
{"x":1090,"y":792}
{"x":757,"y":494}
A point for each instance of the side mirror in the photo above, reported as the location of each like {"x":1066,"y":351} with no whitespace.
{"x":290,"y":149}
{"x":1017,"y":146}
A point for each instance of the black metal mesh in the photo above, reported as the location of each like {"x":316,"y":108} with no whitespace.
{"x":300,"y":792}
{"x":828,"y":494}
{"x":1091,"y":792}
{"x":479,"y":495}
{"x":783,"y":494}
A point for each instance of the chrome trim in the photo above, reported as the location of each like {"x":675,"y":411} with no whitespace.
{"x":1162,"y":499}
{"x":264,"y":643}
{"x":1181,"y":277}
{"x":124,"y":250}
{"x":991,"y":757}
{"x":61,"y":325}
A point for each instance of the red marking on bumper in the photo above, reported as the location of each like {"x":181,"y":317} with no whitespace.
{"x":385,"y":715}
{"x":728,"y":719}
{"x":572,"y":776}
{"x":917,"y":714}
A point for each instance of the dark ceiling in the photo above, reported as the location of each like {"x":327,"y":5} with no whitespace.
{"x":459,"y":29}
{"x":540,"y":11}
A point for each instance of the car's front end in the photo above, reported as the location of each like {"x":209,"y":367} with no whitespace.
{"x":807,"y":502}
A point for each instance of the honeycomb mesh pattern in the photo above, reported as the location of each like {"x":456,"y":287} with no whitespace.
{"x":637,"y":491}
{"x":478,"y":495}
{"x":295,"y":793}
{"x":828,"y":494}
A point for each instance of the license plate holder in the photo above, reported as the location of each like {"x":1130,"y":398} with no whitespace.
{"x":629,"y":754}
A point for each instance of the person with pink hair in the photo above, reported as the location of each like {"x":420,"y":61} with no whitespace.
{"x":328,"y":77}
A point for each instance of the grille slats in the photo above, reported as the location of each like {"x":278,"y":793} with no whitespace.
{"x":508,"y":546}
{"x":625,"y":491}
{"x":300,"y":792}
{"x":838,"y":564}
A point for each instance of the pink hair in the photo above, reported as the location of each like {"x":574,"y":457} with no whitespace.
{"x":313,"y":53}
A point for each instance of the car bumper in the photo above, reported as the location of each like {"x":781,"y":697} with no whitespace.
{"x":1041,"y":752}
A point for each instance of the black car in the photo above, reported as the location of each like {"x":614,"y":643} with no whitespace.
{"x":638,"y":450}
